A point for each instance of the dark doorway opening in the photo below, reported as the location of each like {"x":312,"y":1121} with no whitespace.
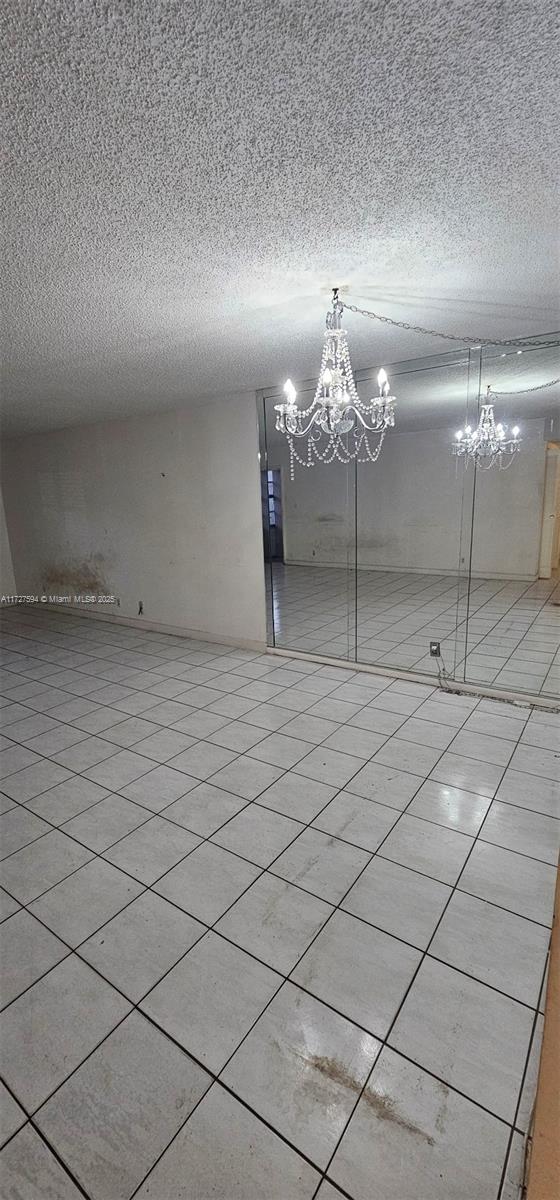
{"x":271,"y":495}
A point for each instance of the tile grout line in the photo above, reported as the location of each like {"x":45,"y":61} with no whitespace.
{"x":308,"y":824}
{"x":514,"y":1129}
{"x":401,"y":1005}
{"x":209,"y":837}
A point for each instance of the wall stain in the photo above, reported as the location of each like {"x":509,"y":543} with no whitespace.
{"x":75,"y":575}
{"x":378,"y":543}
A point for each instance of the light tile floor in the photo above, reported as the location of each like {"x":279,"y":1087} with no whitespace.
{"x":270,"y":929}
{"x":389,"y":618}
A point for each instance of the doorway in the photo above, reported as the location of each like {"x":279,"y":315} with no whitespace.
{"x":271,"y":497}
{"x":549,"y":557}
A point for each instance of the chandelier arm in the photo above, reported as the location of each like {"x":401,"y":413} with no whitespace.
{"x":469,"y":340}
{"x":304,"y":432}
{"x":369,"y":428}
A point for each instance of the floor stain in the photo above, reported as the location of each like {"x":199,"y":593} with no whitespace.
{"x":384,"y":1109}
{"x":270,"y":912}
{"x":342,"y":827}
{"x":331,"y":1069}
{"x":308,"y":866}
{"x":440,"y":1119}
{"x":383,"y":1106}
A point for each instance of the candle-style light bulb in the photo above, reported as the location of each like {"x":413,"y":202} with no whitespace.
{"x":327,"y":377}
{"x":290,"y":392}
{"x":382,"y":379}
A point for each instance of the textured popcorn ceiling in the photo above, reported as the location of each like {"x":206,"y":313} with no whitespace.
{"x":187,"y":180}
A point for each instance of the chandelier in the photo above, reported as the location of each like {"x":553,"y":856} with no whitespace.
{"x":488,"y":445}
{"x":337,"y":424}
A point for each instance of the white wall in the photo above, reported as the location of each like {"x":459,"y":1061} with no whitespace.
{"x":409,"y":507}
{"x":508,"y":511}
{"x":162,"y":509}
{"x":7,"y":578}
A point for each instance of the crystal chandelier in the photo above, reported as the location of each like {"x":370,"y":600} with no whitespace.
{"x":337,"y":424}
{"x":489,"y":444}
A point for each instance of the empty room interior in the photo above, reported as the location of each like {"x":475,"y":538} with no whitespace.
{"x":280,"y":600}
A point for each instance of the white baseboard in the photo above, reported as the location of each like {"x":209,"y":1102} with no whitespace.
{"x":313,"y":562}
{"x":201,"y":635}
{"x":525,"y":699}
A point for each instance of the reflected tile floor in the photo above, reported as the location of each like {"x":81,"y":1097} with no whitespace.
{"x":268,"y":928}
{"x":513,"y":627}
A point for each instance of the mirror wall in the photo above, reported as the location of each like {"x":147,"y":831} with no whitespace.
{"x":311,"y":580}
{"x":512,"y":627}
{"x":371,"y":562}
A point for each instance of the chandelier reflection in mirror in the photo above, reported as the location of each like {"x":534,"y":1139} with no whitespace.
{"x":337,"y":424}
{"x":489,"y":445}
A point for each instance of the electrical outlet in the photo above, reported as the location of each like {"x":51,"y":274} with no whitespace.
{"x":435,"y":649}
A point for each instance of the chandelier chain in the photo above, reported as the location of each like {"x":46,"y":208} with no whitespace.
{"x":450,"y":337}
{"x":524,"y":391}
{"x":338,"y":425}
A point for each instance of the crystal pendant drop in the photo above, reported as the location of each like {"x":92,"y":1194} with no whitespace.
{"x":489,"y":445}
{"x":337,"y":425}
